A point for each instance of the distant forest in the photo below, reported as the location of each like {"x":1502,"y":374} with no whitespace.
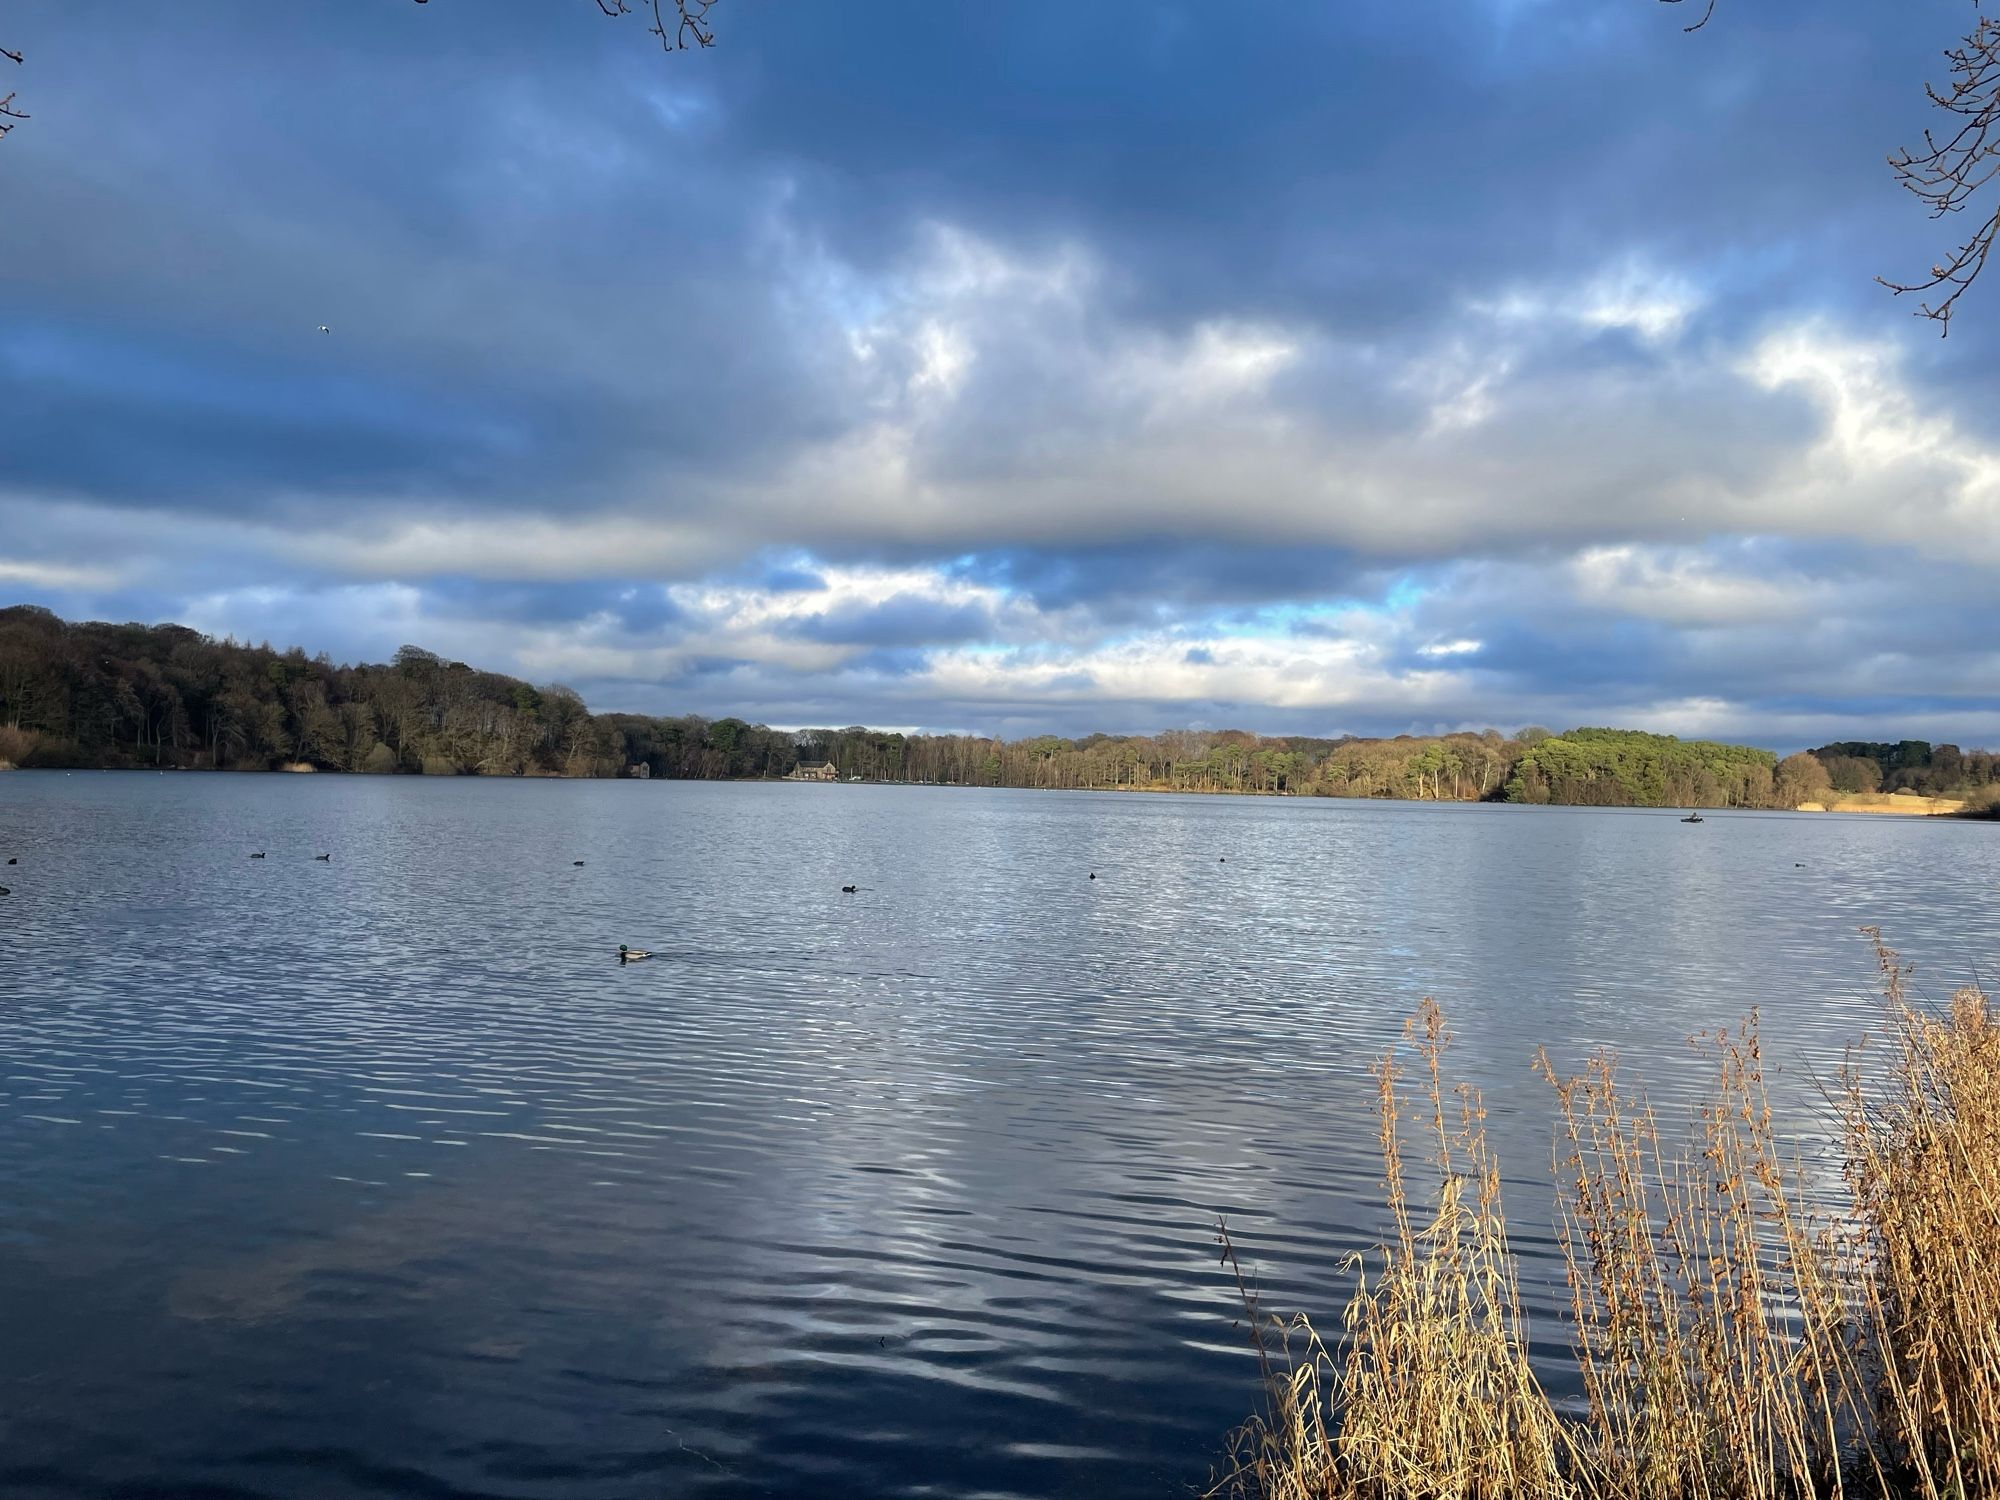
{"x":111,"y":696}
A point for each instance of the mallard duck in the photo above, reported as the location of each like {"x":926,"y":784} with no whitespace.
{"x":631,"y":955}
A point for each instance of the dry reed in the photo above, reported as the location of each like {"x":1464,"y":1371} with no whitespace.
{"x":1736,"y":1335}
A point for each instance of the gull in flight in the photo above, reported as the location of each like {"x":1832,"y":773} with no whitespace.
{"x":324,"y":329}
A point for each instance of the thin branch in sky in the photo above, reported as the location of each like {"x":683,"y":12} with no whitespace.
{"x":1955,"y":165}
{"x":690,"y":23}
{"x":1708,"y":9}
{"x":9,"y":116}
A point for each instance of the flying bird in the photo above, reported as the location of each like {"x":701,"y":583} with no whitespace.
{"x":324,"y":329}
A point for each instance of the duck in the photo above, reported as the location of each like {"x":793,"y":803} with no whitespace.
{"x":258,"y":855}
{"x":849,"y":890}
{"x":631,"y":955}
{"x":1692,"y":818}
{"x":578,"y":863}
{"x":326,"y":857}
{"x":1093,"y":874}
{"x":13,"y":859}
{"x":4,"y":891}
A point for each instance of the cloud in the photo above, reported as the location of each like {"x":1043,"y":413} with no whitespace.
{"x":1406,"y":365}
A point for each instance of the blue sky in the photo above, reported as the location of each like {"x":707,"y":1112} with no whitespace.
{"x":1395,"y":365}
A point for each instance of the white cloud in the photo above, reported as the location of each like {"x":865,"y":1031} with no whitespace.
{"x":1886,"y":465}
{"x":56,"y":575}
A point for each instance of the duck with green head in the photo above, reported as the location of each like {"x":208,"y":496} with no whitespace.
{"x":631,"y":955}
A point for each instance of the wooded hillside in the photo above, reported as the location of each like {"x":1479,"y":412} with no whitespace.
{"x":100,"y":695}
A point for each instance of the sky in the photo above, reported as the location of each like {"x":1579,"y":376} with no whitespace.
{"x":1382,"y":367}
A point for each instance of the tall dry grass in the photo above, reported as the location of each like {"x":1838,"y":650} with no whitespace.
{"x":1742,"y":1328}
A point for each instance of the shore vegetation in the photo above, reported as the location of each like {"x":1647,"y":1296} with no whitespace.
{"x":1747,"y":1319}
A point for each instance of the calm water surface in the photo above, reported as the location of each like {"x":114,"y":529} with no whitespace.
{"x":380,"y":1177}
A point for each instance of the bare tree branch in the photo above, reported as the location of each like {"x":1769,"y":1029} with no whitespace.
{"x":1949,"y":171}
{"x":690,"y":21}
{"x":9,"y":116}
{"x":1707,"y":10}
{"x":690,"y":24}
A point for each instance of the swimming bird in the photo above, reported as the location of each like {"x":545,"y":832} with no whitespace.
{"x":1093,"y":874}
{"x":4,"y":891}
{"x":327,"y":857}
{"x":577,"y":862}
{"x":631,"y":955}
{"x":850,"y":889}
{"x":12,"y":860}
{"x":1222,"y":859}
{"x":258,"y":855}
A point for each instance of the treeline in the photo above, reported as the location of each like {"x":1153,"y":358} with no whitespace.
{"x":1624,"y":768}
{"x":1907,"y":766}
{"x":99,"y":695}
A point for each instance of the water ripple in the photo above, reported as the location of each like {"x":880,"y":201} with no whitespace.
{"x":381,"y":1177}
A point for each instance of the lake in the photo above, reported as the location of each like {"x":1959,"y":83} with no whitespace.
{"x":380,"y":1176}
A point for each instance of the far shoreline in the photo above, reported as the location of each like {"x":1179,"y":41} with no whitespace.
{"x":1873,"y":805}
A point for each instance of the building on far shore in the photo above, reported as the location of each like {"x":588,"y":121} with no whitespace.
{"x":826,"y":772}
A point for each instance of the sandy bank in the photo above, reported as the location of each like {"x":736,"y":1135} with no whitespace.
{"x":1902,"y":804}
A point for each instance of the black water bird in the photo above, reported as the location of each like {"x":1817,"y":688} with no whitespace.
{"x":849,"y":889}
{"x":577,"y":862}
{"x":1692,"y":818}
{"x":1093,"y":874}
{"x":258,"y":855}
{"x":327,"y":857}
{"x":4,"y":891}
{"x":12,"y":860}
{"x":1222,"y":859}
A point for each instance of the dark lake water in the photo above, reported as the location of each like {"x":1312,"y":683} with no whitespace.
{"x":380,"y":1176}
